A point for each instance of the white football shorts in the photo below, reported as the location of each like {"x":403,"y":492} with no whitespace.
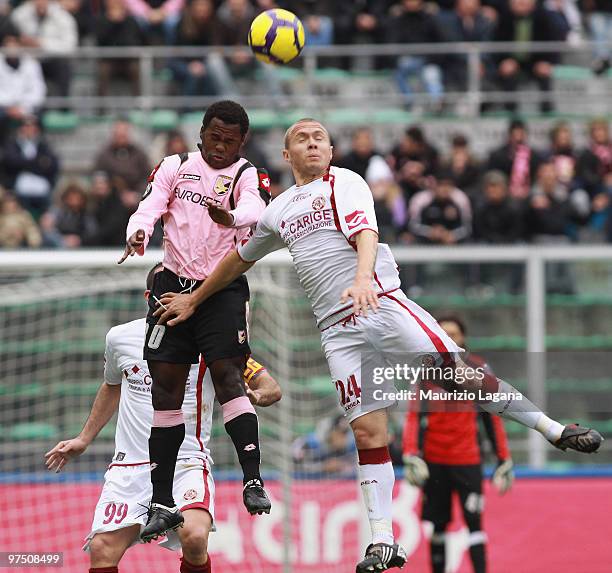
{"x":400,"y":330}
{"x":127,"y":492}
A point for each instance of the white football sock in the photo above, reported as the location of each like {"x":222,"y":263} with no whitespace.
{"x":377,"y":486}
{"x":524,"y":411}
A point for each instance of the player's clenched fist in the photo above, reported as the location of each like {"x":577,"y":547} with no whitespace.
{"x":63,"y":452}
{"x":135,"y":242}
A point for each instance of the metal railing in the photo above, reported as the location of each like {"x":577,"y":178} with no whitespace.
{"x":475,"y":94}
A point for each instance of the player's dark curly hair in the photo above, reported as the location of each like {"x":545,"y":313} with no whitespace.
{"x":151,"y":274}
{"x":455,"y":320}
{"x":229,"y":112}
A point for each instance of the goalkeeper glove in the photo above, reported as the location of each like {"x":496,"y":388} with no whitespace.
{"x":416,"y":471}
{"x":503,"y":476}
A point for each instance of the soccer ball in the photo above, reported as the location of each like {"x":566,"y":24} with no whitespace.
{"x":276,"y":36}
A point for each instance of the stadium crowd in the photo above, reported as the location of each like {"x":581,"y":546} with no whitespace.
{"x":59,"y":26}
{"x":516,"y":194}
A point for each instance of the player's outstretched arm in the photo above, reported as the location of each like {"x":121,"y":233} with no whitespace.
{"x":182,"y":306}
{"x":102,"y":410}
{"x":135,"y":241}
{"x":154,"y":203}
{"x":361,"y":291}
{"x":264,"y":390}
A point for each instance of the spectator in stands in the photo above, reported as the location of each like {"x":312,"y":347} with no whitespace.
{"x":30,"y":166}
{"x":83,"y":14}
{"x":551,"y":216}
{"x":566,"y":20}
{"x":594,"y":174}
{"x":594,"y":167}
{"x":563,"y":154}
{"x":328,"y":451}
{"x":517,"y":159}
{"x":362,"y":151}
{"x":317,"y":17}
{"x":600,"y":24}
{"x":564,"y":157}
{"x":156,"y":18}
{"x":115,"y":27}
{"x":412,"y":159}
{"x":389,"y":203}
{"x":411,"y":23}
{"x":235,"y":18}
{"x":17,"y":227}
{"x":6,"y":25}
{"x":168,"y":143}
{"x":466,"y":23}
{"x":45,"y":24}
{"x":525,"y":22}
{"x":498,"y":218}
{"x":22,"y":86}
{"x":440,"y":215}
{"x":176,"y":143}
{"x":111,"y":210}
{"x":125,"y":161}
{"x":69,"y":225}
{"x":198,"y":27}
{"x":551,"y":207}
{"x":360,"y":22}
{"x":465,"y":168}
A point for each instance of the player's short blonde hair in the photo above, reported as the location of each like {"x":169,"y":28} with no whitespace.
{"x":293,"y":127}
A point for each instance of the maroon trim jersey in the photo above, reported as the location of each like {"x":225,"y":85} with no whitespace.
{"x":448,"y":431}
{"x":318,"y":222}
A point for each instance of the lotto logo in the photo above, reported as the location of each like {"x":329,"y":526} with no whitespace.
{"x":250,"y":448}
{"x":355,"y":219}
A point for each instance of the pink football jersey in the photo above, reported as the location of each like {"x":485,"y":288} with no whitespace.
{"x":178,"y":191}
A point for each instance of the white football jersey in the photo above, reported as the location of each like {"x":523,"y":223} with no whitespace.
{"x":124,"y":365}
{"x":318,"y":223}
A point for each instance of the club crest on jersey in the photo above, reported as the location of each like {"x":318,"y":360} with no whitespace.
{"x":355,"y":219}
{"x":242,"y":336}
{"x":190,"y":494}
{"x":222,"y":185}
{"x":318,"y":203}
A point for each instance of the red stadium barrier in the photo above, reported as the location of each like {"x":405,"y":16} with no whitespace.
{"x":541,"y":526}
